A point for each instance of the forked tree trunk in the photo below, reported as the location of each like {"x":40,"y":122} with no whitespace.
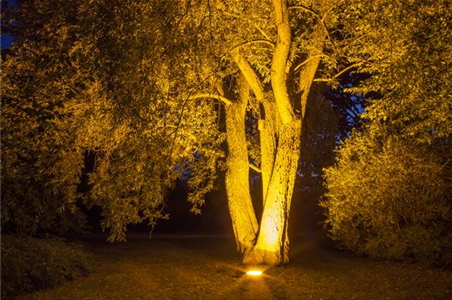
{"x":241,"y":209}
{"x":272,"y":243}
{"x":280,"y":137}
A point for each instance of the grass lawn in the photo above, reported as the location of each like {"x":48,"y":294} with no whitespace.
{"x":198,"y":267}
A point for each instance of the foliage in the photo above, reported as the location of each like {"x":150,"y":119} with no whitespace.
{"x":162,"y":133}
{"x":30,"y":264}
{"x":319,"y":140}
{"x":74,"y":85}
{"x":390,"y":197}
{"x":41,"y":165}
{"x":389,"y":193}
{"x":403,"y":46}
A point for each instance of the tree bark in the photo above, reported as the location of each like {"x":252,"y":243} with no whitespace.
{"x":307,"y":74}
{"x":279,"y":62}
{"x":268,"y":125}
{"x":241,"y":209}
{"x":272,"y":243}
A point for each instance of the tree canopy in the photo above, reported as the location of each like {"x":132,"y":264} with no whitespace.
{"x":87,"y":78}
{"x":389,"y":192}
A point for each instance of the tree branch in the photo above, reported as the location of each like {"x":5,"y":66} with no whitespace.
{"x":338,"y":74}
{"x":306,"y":61}
{"x":253,"y":167}
{"x":253,"y":42}
{"x":305,"y":8}
{"x":279,"y":61}
{"x":330,"y":9}
{"x":346,"y":69}
{"x":249,"y":74}
{"x":212,"y":96}
{"x":262,"y":32}
{"x":320,"y":19}
{"x":307,"y":74}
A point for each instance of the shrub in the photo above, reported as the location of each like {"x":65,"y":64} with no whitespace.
{"x":30,"y":264}
{"x":390,"y":198}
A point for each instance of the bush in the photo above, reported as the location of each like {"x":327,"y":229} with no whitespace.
{"x":390,"y":198}
{"x":30,"y":264}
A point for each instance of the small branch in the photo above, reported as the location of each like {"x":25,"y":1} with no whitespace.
{"x":320,"y":19}
{"x":192,"y":136}
{"x":262,"y":32}
{"x":330,"y":9}
{"x":253,"y":167}
{"x":323,"y":80}
{"x":306,"y":61}
{"x":346,"y":69}
{"x":328,"y":34}
{"x":352,"y":43}
{"x":307,"y":9}
{"x":263,"y":41}
{"x":338,"y":74}
{"x":212,"y":96}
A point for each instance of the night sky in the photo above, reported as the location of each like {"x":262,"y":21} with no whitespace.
{"x":6,"y":41}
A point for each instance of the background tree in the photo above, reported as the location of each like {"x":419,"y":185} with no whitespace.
{"x":40,"y":165}
{"x":168,"y":133}
{"x":389,"y":193}
{"x":74,"y":85}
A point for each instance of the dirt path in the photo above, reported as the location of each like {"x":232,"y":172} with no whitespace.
{"x":207,"y":268}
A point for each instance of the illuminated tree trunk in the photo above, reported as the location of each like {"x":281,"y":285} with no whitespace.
{"x":267,"y":130}
{"x":280,"y":134}
{"x":272,"y":243}
{"x":241,"y":209}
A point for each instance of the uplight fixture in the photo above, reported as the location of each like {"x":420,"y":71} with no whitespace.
{"x":254,"y":273}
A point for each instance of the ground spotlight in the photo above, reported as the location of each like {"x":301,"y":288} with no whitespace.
{"x":254,"y":273}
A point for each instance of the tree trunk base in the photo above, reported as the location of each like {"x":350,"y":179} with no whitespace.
{"x":263,"y":257}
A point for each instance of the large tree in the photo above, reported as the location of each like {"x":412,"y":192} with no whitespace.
{"x":270,"y":65}
{"x":135,"y":85}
